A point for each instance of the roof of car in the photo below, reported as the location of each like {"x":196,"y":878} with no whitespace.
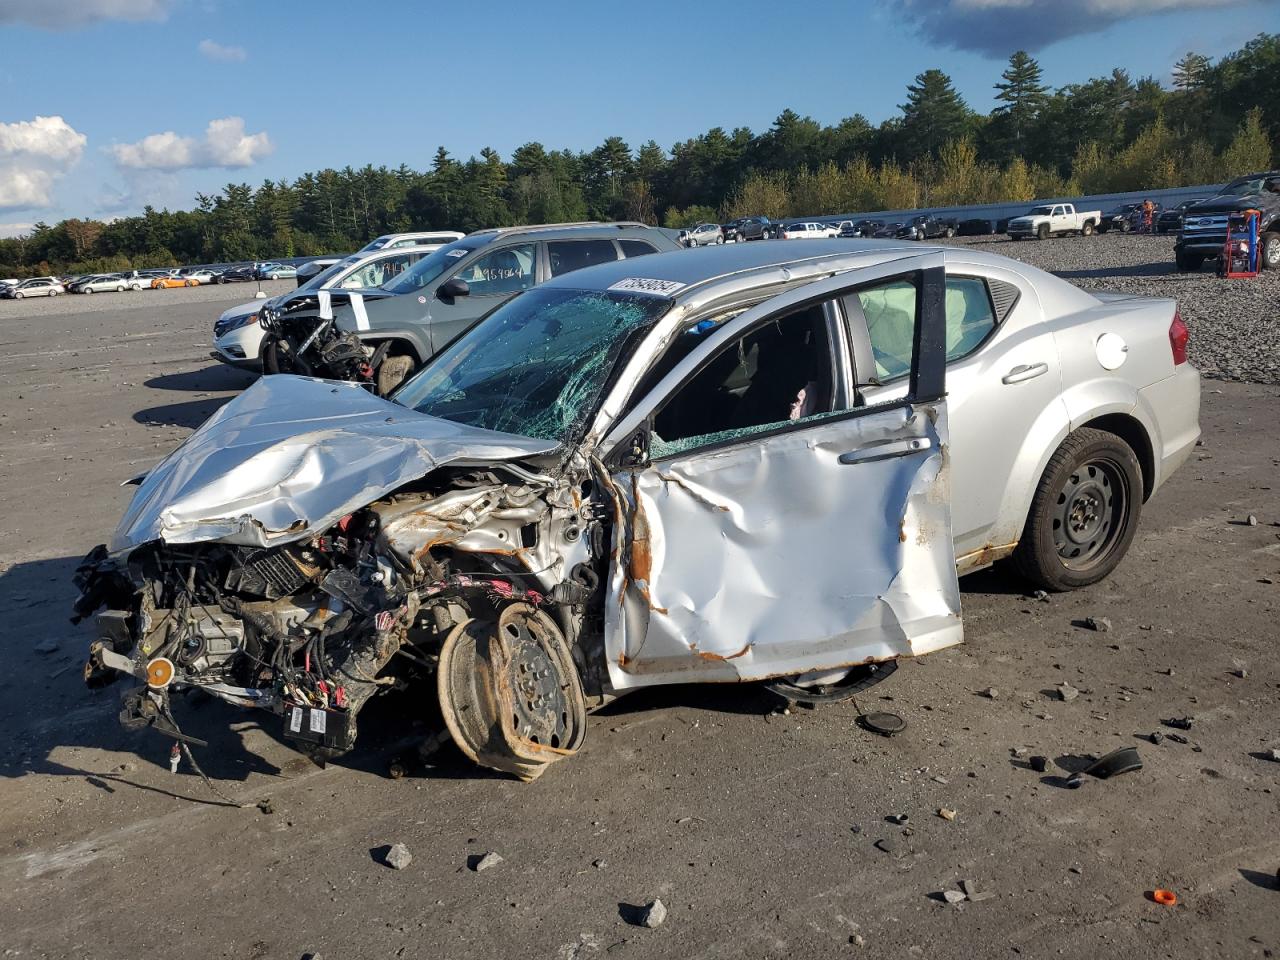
{"x":549,"y":230}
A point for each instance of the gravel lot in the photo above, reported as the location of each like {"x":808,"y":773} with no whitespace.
{"x":765,"y":834}
{"x":1233,"y":323}
{"x":70,"y":304}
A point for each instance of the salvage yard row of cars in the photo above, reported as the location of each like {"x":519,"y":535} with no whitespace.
{"x":603,"y":462}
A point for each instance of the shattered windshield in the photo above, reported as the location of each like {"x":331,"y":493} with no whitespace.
{"x":537,"y":366}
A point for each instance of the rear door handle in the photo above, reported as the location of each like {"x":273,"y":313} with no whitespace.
{"x":886,"y":450}
{"x":1024,"y":372}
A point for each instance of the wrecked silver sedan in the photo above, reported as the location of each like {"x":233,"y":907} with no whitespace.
{"x":613,"y":481}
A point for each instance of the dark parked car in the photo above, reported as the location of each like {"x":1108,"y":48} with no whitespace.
{"x":927,"y":226}
{"x":236,"y":274}
{"x":1170,"y":220}
{"x":1125,"y":218}
{"x":982,"y":226}
{"x":896,"y":230}
{"x":755,"y":228}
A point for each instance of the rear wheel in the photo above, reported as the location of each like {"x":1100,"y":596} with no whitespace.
{"x":1269,"y":251}
{"x":1042,"y":232}
{"x":1125,"y":226}
{"x":951,"y":232}
{"x":87,"y":290}
{"x":120,"y":289}
{"x":1084,"y":514}
{"x":1087,"y":229}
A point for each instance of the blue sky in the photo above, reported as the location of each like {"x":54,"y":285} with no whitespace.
{"x":292,"y":87}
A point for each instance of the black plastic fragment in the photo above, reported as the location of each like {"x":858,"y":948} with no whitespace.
{"x":885,"y":724}
{"x":1124,"y":760}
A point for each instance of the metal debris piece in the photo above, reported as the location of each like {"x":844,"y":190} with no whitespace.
{"x":1157,"y":738}
{"x":1124,"y":760}
{"x":899,"y":818}
{"x":885,"y":724}
{"x":397,"y":856}
{"x":1179,"y":723}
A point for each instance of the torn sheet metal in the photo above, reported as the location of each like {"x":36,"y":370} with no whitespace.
{"x":776,"y":558}
{"x":289,"y":457}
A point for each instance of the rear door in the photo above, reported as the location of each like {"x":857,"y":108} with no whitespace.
{"x":770,"y":521}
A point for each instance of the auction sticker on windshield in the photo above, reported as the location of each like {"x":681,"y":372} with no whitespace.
{"x":641,"y":285}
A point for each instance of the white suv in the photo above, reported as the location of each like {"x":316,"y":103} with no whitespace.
{"x":390,"y":241}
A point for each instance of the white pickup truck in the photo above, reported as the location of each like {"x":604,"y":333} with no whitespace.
{"x":1048,"y":219}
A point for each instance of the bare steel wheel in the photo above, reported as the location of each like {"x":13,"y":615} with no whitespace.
{"x":510,"y":693}
{"x":1084,"y":514}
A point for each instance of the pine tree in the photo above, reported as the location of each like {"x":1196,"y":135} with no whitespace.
{"x":933,"y":114}
{"x":1191,"y":72}
{"x":1022,"y":97}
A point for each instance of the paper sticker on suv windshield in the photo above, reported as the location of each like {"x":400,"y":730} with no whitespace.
{"x":641,"y":285}
{"x":457,"y":253}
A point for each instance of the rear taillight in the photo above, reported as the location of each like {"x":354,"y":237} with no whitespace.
{"x":1179,"y":335}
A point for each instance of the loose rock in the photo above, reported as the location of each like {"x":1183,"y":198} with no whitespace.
{"x":946,"y":813}
{"x":952,"y":896}
{"x":490,"y":859}
{"x":991,"y":693}
{"x":1067,"y":692}
{"x":1100,"y":624}
{"x":653,"y":914}
{"x":397,"y":856}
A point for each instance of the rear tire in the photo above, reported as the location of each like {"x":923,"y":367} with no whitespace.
{"x":1087,"y":229}
{"x":1084,"y":514}
{"x":87,"y":290}
{"x":951,"y":232}
{"x":1269,"y":251}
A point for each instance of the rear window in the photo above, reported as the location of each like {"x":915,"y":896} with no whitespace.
{"x":636,"y":248}
{"x":568,"y":255}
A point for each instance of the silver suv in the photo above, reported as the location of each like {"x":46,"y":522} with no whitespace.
{"x":383,"y":335}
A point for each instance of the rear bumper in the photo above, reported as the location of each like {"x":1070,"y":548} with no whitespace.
{"x":1173,"y":405}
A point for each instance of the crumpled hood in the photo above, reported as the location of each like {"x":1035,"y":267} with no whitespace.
{"x":292,"y":455}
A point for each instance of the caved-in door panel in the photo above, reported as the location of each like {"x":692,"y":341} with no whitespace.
{"x":816,"y":548}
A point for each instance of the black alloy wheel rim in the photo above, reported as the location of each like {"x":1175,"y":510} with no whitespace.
{"x":1090,"y":515}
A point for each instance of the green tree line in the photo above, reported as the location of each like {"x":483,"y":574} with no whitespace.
{"x":1108,"y":134}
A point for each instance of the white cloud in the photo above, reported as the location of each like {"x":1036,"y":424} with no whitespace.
{"x":8,"y":230}
{"x":34,"y":154}
{"x":999,"y":27}
{"x":69,"y":14}
{"x":225,"y":144}
{"x":212,"y":50}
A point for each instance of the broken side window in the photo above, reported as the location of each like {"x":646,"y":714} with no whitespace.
{"x":778,"y":373}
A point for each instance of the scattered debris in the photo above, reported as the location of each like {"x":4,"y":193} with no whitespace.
{"x":885,"y":724}
{"x":1100,"y":624}
{"x":991,"y":693}
{"x":953,"y":896}
{"x":898,"y":818}
{"x":46,"y":646}
{"x":1179,"y":723}
{"x":1039,"y":764}
{"x":858,"y":940}
{"x":1067,"y":692}
{"x":1124,"y":760}
{"x":1157,"y":738}
{"x":397,"y":856}
{"x":1251,"y":520}
{"x":490,"y":859}
{"x":946,"y":813}
{"x":652,"y":915}
{"x":1041,"y":595}
{"x":599,"y":863}
{"x":890,"y":846}
{"x":1178,"y":738}
{"x":1166,"y":898}
{"x":1273,"y":754}
{"x":264,"y":806}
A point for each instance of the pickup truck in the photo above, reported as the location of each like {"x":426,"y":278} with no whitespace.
{"x":1047,"y":219}
{"x":1204,"y":224}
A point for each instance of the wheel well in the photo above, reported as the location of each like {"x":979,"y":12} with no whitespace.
{"x":398,"y":348}
{"x":1132,"y":432}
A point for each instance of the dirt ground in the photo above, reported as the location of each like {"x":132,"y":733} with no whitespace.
{"x":764,"y":834}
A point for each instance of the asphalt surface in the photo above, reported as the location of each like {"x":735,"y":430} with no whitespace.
{"x":765,"y":834}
